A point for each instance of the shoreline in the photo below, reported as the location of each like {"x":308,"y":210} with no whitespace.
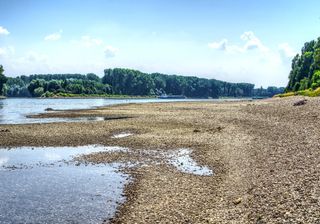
{"x":259,"y":151}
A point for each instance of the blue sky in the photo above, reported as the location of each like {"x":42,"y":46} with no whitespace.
{"x":238,"y":41}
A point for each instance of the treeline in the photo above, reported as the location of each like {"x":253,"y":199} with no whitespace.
{"x":129,"y":82}
{"x":53,"y":84}
{"x":268,"y":92}
{"x":133,"y":82}
{"x":3,"y":80}
{"x":305,"y":68}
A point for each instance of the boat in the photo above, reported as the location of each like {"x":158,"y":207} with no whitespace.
{"x":165,"y":96}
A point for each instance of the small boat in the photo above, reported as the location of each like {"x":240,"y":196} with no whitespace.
{"x":258,"y":97}
{"x":165,"y":96}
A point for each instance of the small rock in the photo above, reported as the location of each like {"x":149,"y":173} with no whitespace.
{"x":300,"y":102}
{"x":237,"y":201}
{"x":219,"y":128}
{"x":196,"y":130}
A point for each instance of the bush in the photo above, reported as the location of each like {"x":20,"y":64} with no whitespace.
{"x":285,"y":94}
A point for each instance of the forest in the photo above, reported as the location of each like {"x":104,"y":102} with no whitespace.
{"x":305,"y":68}
{"x":126,"y":82}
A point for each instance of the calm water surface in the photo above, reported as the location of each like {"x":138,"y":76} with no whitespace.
{"x":15,"y":110}
{"x":44,"y":185}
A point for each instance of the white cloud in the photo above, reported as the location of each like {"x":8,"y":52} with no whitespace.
{"x":53,"y":36}
{"x":251,"y":43}
{"x":2,"y":51}
{"x":33,"y":56}
{"x":94,"y":45}
{"x":253,"y":61}
{"x":110,"y":51}
{"x":4,"y":31}
{"x":6,"y":51}
{"x":222,"y":45}
{"x":88,"y":41}
{"x":286,"y":51}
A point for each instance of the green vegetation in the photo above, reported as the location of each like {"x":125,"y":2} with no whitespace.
{"x":56,"y":85}
{"x":304,"y":76}
{"x":3,"y":80}
{"x":133,"y":82}
{"x":306,"y":92}
{"x":120,"y":82}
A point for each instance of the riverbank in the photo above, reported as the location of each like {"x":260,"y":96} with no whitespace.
{"x":264,"y":155}
{"x":94,"y":96}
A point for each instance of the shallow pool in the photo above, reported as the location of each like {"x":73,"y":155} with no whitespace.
{"x":44,"y":185}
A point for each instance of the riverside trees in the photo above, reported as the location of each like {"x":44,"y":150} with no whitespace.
{"x":305,"y":68}
{"x":130,"y":82}
{"x":3,"y":80}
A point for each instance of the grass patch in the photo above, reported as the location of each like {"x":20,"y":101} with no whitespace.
{"x":307,"y":92}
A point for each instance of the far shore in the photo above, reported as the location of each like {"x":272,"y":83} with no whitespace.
{"x":264,"y":155}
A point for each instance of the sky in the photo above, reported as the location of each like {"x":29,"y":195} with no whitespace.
{"x":238,"y":41}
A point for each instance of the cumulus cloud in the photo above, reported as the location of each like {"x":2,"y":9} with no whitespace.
{"x":4,"y":31}
{"x":95,"y":44}
{"x":2,"y":51}
{"x":88,"y":41}
{"x":53,"y":36}
{"x":251,"y":43}
{"x":110,"y":51}
{"x":33,"y":56}
{"x":6,"y":51}
{"x":222,"y":45}
{"x":286,"y":51}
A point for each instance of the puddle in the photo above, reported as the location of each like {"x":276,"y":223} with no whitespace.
{"x":182,"y":160}
{"x":43,"y":185}
{"x":122,"y":135}
{"x":46,"y":184}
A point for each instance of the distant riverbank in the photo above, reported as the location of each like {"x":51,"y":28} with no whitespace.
{"x":95,"y":96}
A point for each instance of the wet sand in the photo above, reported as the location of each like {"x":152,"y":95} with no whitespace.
{"x":265,"y":157}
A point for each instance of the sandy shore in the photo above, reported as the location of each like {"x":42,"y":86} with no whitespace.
{"x":265,"y":156}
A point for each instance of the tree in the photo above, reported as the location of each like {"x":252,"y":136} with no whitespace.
{"x":3,"y":79}
{"x":305,"y":68}
{"x":316,"y":80}
{"x":38,"y":91}
{"x":93,"y":77}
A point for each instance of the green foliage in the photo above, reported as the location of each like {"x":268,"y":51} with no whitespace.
{"x":133,"y":82}
{"x":3,"y":80}
{"x":269,"y":92}
{"x":305,"y":69}
{"x":127,"y":82}
{"x":315,"y":80}
{"x":306,"y":92}
{"x":304,"y":83}
{"x":38,"y":92}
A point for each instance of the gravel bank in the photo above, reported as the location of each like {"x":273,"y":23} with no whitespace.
{"x":265,"y":156}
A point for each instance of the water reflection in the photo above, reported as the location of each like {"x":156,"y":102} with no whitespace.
{"x":43,"y":185}
{"x":15,"y":110}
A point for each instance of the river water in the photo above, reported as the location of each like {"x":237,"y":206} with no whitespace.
{"x":45,"y":185}
{"x":15,"y":110}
